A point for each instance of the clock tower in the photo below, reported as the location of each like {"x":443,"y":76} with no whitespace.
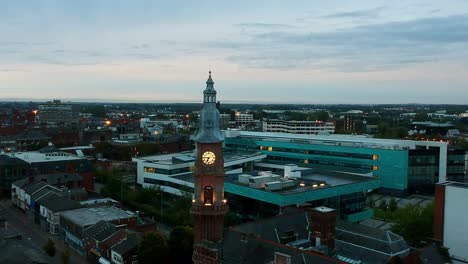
{"x":208,"y":205}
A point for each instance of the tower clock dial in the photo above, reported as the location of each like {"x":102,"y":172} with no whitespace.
{"x":208,"y":157}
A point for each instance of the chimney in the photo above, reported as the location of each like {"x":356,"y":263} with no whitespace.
{"x":323,"y":224}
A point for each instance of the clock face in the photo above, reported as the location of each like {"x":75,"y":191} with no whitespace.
{"x":208,"y":157}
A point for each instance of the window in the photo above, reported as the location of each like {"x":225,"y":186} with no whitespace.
{"x":208,"y":195}
{"x":375,"y":167}
{"x":281,"y":258}
{"x":150,"y":169}
{"x":375,"y":157}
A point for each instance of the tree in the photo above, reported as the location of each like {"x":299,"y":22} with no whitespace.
{"x":65,"y":256}
{"x":392,"y":205}
{"x":181,"y":244}
{"x":415,"y":223}
{"x":383,"y":205}
{"x":49,"y":247}
{"x":153,"y":247}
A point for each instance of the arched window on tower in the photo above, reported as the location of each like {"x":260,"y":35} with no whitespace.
{"x":208,"y":195}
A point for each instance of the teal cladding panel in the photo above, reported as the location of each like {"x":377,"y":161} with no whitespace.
{"x":392,"y":164}
{"x":300,"y":197}
{"x":362,"y":215}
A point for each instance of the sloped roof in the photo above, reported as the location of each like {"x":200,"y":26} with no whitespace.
{"x":44,"y":191}
{"x":239,"y":248}
{"x":126,"y":245}
{"x":34,"y":187}
{"x":372,"y":238}
{"x":101,"y":230}
{"x":57,"y":203}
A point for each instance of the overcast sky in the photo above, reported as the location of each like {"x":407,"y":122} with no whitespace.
{"x":259,"y":51}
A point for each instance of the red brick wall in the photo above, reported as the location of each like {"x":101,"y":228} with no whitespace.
{"x":439,"y":210}
{"x":106,"y":245}
{"x":88,"y":180}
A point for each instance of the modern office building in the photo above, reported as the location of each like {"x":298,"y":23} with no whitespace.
{"x":400,"y":165}
{"x":450,"y":218}
{"x":252,"y":183}
{"x":161,"y":170}
{"x":298,"y":127}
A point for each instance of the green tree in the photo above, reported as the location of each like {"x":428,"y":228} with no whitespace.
{"x":153,"y":247}
{"x":392,"y":205}
{"x":65,"y":256}
{"x":321,"y":116}
{"x":421,"y":117}
{"x":383,"y":205}
{"x":49,"y":247}
{"x":181,"y":244}
{"x":415,"y":223}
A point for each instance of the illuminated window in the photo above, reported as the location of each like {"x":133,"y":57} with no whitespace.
{"x":375,"y":157}
{"x":375,"y":167}
{"x":208,"y":195}
{"x":306,"y":161}
{"x":149,"y":169}
{"x":270,"y":148}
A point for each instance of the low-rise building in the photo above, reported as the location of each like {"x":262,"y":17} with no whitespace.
{"x":50,"y":208}
{"x":100,"y":237}
{"x":125,"y":252}
{"x":51,"y":160}
{"x":298,"y":127}
{"x":73,"y":223}
{"x":313,"y":236}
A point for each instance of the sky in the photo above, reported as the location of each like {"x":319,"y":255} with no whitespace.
{"x":317,"y":52}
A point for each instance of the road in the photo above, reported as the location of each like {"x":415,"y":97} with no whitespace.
{"x":17,"y":219}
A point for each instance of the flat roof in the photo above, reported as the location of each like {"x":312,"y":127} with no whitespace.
{"x":348,"y":140}
{"x":336,"y":183}
{"x":90,"y":216}
{"x":36,"y":156}
{"x":188,"y":157}
{"x":78,"y":147}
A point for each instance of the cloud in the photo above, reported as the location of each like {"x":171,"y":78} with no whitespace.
{"x":362,"y":48}
{"x":264,"y":26}
{"x":363,"y":13}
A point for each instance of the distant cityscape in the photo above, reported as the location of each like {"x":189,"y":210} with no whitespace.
{"x":322,"y":183}
{"x":233,"y":132}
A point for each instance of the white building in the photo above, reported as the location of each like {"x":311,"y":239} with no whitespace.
{"x":151,"y":126}
{"x":160,"y":170}
{"x":298,"y":127}
{"x":451,"y":218}
{"x":243,"y":118}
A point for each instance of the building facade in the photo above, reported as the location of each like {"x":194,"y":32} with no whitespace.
{"x":298,"y":127}
{"x":450,"y":218}
{"x":400,"y":165}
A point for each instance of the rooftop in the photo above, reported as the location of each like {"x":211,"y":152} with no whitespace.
{"x":188,"y":157}
{"x":101,"y":230}
{"x":90,"y":216}
{"x":57,"y":203}
{"x":334,"y":139}
{"x":36,"y":156}
{"x":314,"y":184}
{"x":126,"y":245}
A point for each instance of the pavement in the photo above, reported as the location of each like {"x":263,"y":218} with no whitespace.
{"x":31,"y":231}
